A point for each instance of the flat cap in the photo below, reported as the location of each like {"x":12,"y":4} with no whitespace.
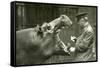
{"x":80,"y":15}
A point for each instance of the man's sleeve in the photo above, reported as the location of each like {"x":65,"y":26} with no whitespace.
{"x":84,"y":41}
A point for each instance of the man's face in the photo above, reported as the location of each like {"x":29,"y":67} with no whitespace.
{"x":81,"y":22}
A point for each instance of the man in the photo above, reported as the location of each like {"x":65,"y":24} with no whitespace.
{"x":84,"y":44}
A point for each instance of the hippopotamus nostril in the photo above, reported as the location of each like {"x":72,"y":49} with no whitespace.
{"x":48,"y":27}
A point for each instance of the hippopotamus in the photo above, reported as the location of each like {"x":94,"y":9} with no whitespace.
{"x":35,"y":45}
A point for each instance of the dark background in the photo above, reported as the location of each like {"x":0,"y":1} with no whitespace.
{"x":29,"y":15}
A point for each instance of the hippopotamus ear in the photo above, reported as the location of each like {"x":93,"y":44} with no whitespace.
{"x":37,"y":28}
{"x":44,"y":24}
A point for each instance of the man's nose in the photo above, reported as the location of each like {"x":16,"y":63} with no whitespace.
{"x":71,"y":23}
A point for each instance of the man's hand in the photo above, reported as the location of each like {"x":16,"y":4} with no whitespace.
{"x":72,"y":49}
{"x":73,"y":38}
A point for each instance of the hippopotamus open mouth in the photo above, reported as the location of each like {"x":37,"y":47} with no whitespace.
{"x":57,"y":25}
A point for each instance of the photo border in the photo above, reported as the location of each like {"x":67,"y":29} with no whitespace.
{"x":13,"y":33}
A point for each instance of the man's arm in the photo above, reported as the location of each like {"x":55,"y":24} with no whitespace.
{"x":84,"y":41}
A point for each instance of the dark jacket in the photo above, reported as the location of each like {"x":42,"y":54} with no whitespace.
{"x":85,"y":44}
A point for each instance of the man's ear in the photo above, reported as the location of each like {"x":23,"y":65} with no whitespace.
{"x":86,"y":18}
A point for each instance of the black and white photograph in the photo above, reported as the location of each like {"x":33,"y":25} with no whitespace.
{"x":46,"y":33}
